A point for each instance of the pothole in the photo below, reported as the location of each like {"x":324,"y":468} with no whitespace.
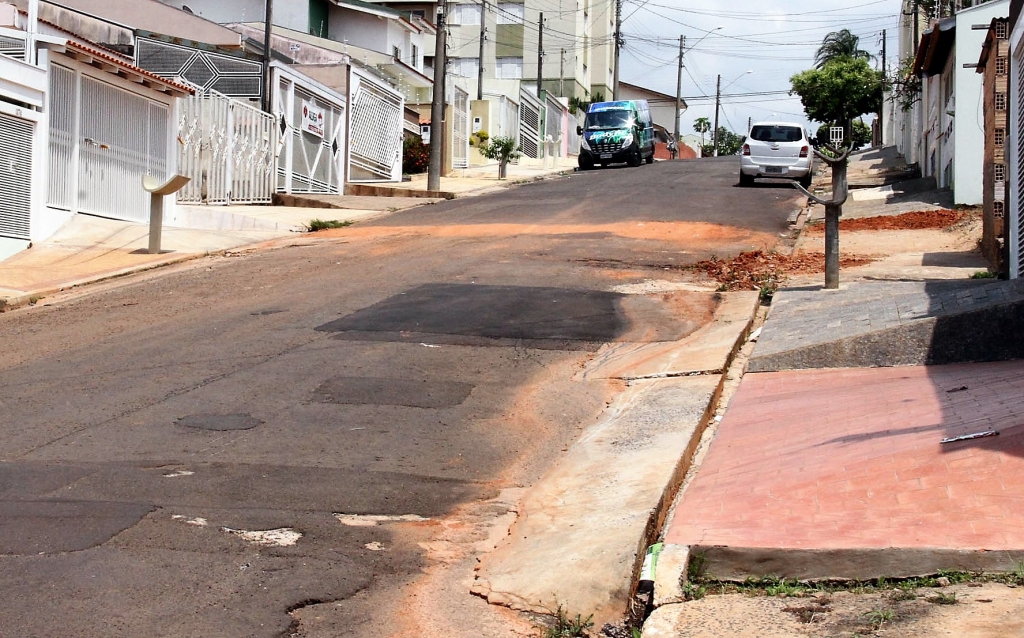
{"x":280,"y":537}
{"x":220,"y":422}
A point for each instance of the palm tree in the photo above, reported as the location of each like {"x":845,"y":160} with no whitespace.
{"x":702,"y":125}
{"x":840,"y":44}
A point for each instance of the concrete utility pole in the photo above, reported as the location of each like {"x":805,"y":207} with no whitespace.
{"x":540,"y":53}
{"x":718,"y":102}
{"x":917,"y":13}
{"x":268,"y":22}
{"x":679,"y":88}
{"x":618,"y":43}
{"x":483,"y":38}
{"x":561,"y":74}
{"x":437,"y":103}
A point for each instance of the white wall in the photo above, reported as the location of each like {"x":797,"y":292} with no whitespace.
{"x":969,"y":122}
{"x":1014,"y":142}
{"x":360,"y":29}
{"x":291,"y":15}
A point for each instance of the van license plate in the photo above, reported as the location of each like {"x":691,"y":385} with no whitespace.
{"x":606,"y":155}
{"x":772,"y":169}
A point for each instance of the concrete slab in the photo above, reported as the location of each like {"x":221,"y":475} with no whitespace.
{"x":582,"y":528}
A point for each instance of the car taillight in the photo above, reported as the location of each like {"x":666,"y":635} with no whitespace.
{"x":804,"y":150}
{"x":746,"y":149}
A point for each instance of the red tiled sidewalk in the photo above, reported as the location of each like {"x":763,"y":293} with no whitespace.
{"x":851,"y":458}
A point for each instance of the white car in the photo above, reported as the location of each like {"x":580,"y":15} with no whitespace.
{"x":776,"y":149}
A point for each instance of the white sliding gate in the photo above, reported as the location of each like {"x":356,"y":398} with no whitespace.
{"x":376,"y":119}
{"x":530,"y":109}
{"x":16,"y":136}
{"x":103,"y":139}
{"x":460,"y":129}
{"x":228,"y":149}
{"x":312,"y":124}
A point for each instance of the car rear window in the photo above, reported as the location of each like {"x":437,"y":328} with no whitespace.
{"x":776,"y":133}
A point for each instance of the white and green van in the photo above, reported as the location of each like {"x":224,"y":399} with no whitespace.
{"x":620,"y":131}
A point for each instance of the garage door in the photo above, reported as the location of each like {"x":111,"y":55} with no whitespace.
{"x":15,"y":176}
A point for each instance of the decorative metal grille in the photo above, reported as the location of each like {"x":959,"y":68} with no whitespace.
{"x":307,"y":163}
{"x":62,"y":119}
{"x":1016,"y":234}
{"x":15,"y":177}
{"x":225,"y":74}
{"x":460,"y":129}
{"x":228,"y":149}
{"x":375,"y":130}
{"x":529,"y":124}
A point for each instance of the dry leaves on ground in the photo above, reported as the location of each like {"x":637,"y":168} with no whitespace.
{"x":914,"y":220}
{"x":758,"y":269}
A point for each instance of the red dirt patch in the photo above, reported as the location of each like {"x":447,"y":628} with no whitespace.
{"x":914,"y":220}
{"x":758,"y":270}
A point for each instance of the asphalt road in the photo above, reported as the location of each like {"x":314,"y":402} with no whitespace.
{"x":181,"y":453}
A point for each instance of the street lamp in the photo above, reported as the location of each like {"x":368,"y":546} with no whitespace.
{"x":679,"y":78}
{"x":718,"y":101}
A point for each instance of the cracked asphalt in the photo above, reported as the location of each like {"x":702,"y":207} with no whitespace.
{"x":405,"y":366}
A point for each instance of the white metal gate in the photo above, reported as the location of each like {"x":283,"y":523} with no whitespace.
{"x":553,"y":122}
{"x":376,"y":119}
{"x":15,"y":176}
{"x":310,"y":159}
{"x":228,"y":149}
{"x":529,"y":123}
{"x":1015,"y":215}
{"x":103,"y":139}
{"x":460,"y":129}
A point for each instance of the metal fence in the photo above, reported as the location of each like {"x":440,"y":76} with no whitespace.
{"x":529,"y":124}
{"x":228,"y":149}
{"x":572,"y":137}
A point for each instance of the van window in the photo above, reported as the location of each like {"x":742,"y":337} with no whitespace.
{"x":603,"y":120}
{"x":776,"y":133}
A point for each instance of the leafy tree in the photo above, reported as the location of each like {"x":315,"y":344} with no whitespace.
{"x":503,"y":149}
{"x":580,"y":105}
{"x":839,"y":91}
{"x":729,"y":143}
{"x":861,"y":133}
{"x":840,"y":44}
{"x":905,"y":86}
{"x":702,"y":125}
{"x":415,"y":156}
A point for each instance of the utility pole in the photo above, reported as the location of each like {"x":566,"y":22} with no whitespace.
{"x":540,"y":53}
{"x":917,"y":13}
{"x":437,"y":103}
{"x":268,"y":22}
{"x":881,"y":104}
{"x":618,"y":43}
{"x":679,"y":87}
{"x":718,"y":101}
{"x":483,"y":37}
{"x":750,"y":122}
{"x":561,"y":74}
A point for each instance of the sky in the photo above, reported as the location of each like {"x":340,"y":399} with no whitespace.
{"x":772,"y":38}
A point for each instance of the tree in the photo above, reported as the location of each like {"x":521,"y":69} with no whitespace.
{"x":702,"y":125}
{"x":839,"y":91}
{"x":840,"y":44}
{"x":580,"y":105}
{"x":729,"y":143}
{"x":503,"y":149}
{"x":861,"y":133}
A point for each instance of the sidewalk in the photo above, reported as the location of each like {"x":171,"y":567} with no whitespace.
{"x":830,"y":461}
{"x":90,"y":249}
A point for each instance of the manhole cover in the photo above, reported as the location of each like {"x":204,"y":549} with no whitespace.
{"x":404,"y":392}
{"x":220,"y":422}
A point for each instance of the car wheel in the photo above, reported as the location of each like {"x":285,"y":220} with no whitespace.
{"x":805,"y":181}
{"x":635,"y":159}
{"x":650,"y":158}
{"x":746,"y":180}
{"x":603,"y":164}
{"x":586,"y":165}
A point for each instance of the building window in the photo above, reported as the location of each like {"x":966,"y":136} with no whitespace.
{"x":508,"y":68}
{"x":1001,"y":65}
{"x":509,"y":13}
{"x":1001,"y":30}
{"x":418,"y":13}
{"x":467,"y":14}
{"x":998,"y":209}
{"x":464,"y":67}
{"x":999,"y":137}
{"x":1000,"y":101}
{"x":395,"y":51}
{"x":415,"y":56}
{"x":999,"y":170}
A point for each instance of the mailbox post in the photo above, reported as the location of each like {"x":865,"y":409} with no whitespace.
{"x":157,"y":191}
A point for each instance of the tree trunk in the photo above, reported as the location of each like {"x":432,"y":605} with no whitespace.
{"x":502,"y":168}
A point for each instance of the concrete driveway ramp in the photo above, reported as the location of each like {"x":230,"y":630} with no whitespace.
{"x":890,"y":324}
{"x":403,"y":392}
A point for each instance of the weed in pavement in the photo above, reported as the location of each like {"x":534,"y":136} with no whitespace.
{"x":567,"y":627}
{"x":941,"y":598}
{"x":878,"y":617}
{"x":324,"y":224}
